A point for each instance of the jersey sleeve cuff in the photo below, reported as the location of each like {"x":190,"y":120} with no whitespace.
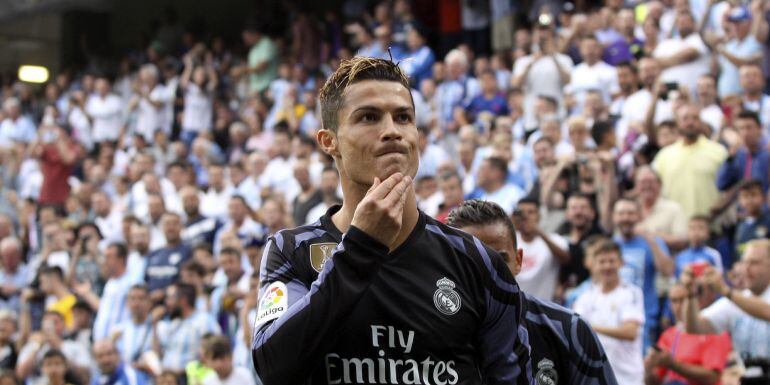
{"x":366,"y":242}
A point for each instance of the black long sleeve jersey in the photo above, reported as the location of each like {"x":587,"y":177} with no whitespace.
{"x":340,"y":309}
{"x":565,"y":349}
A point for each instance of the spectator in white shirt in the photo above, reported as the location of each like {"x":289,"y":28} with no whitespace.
{"x":593,"y":73}
{"x":15,"y":128}
{"x":492,"y":185}
{"x":219,"y":357}
{"x":543,"y":254}
{"x":636,"y":106}
{"x":706,"y":95}
{"x":198,"y":83}
{"x":149,"y":102}
{"x":214,"y":200}
{"x":105,"y":110}
{"x":108,"y":221}
{"x":545,"y":72}
{"x":684,"y":58}
{"x":277,"y":175}
{"x":615,"y":310}
{"x":752,"y":81}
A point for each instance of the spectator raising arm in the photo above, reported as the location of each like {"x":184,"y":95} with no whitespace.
{"x":751,"y":304}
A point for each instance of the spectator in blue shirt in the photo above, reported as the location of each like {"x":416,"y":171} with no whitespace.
{"x":698,"y":252}
{"x":163,"y":265}
{"x":111,"y":370}
{"x":418,"y":58}
{"x":749,"y":160}
{"x":644,"y":256}
{"x":491,"y":100}
{"x":755,"y":223}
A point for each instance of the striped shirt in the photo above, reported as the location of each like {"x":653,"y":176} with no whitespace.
{"x":180,"y":338}
{"x":135,"y":339}
{"x":112,"y":306}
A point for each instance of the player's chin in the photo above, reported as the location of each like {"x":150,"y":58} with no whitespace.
{"x":385,"y":169}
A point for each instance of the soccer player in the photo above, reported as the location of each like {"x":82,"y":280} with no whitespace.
{"x":564,"y":348}
{"x":376,"y":292}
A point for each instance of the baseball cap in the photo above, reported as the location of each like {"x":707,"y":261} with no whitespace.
{"x":739,"y":14}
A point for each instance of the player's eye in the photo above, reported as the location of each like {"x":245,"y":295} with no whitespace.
{"x":368,"y":117}
{"x":403,"y":118}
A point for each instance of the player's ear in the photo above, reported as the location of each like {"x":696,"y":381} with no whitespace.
{"x":519,"y":259}
{"x":327,"y":141}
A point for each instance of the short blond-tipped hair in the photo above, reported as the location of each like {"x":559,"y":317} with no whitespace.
{"x":350,"y":72}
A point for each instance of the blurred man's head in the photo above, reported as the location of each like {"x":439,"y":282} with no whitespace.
{"x":106,"y":356}
{"x":238,"y":209}
{"x":625,"y":216}
{"x":10,"y":253}
{"x":489,"y":223}
{"x":544,"y":154}
{"x":749,"y":128}
{"x":649,"y":69}
{"x":580,"y":213}
{"x":138,"y":302}
{"x":698,"y":232}
{"x":219,"y":356}
{"x":751,"y":79}
{"x":751,"y":197}
{"x":140,"y":238}
{"x":190,"y":201}
{"x":451,"y":188}
{"x":648,"y":184}
{"x":606,"y":261}
{"x":115,"y":258}
{"x":54,"y":366}
{"x":528,"y":213}
{"x":757,"y":261}
{"x":171,"y":225}
{"x":492,"y":174}
{"x":330,"y":181}
{"x":685,"y":23}
{"x":590,"y":49}
{"x":230,"y":262}
{"x":677,"y":294}
{"x":688,"y":121}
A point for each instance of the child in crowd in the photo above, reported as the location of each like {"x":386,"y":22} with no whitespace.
{"x":697,"y":253}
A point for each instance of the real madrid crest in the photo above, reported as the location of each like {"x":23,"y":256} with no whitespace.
{"x":446,"y":299}
{"x":320,"y":253}
{"x":546,"y":374}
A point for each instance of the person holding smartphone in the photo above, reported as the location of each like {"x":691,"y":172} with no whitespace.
{"x":681,"y":358}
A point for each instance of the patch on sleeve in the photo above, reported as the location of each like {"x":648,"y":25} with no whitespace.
{"x":274,"y":303}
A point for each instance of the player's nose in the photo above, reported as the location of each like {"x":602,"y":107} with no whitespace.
{"x":389,"y":129}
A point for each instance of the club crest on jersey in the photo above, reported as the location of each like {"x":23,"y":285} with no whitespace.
{"x":320,"y":253}
{"x":446,"y":299}
{"x":274,"y":303}
{"x":546,"y":374}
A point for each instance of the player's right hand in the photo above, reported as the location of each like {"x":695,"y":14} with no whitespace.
{"x":380,"y":213}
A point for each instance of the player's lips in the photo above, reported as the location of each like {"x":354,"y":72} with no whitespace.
{"x":391,"y":149}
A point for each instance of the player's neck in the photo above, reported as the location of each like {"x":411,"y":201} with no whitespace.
{"x":344,"y":216}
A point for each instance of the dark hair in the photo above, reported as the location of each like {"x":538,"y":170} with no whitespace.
{"x":121,"y":249}
{"x":475,"y":212}
{"x":186,"y":292}
{"x":600,"y":129}
{"x":670,"y":124}
{"x":82,"y":305}
{"x":445,"y":177}
{"x":750,"y":185}
{"x":140,"y":286}
{"x":52,"y":270}
{"x":499,"y":164}
{"x":628,"y":65}
{"x":54,"y":353}
{"x":746,"y":114}
{"x":350,"y":72}
{"x":330,"y":169}
{"x":219,"y":347}
{"x":230,"y":251}
{"x":194,"y":267}
{"x":528,"y":201}
{"x":605,"y":245}
{"x":701,"y":218}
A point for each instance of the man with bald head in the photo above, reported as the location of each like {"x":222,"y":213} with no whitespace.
{"x":688,"y":168}
{"x":112,"y":371}
{"x":198,"y":229}
{"x":14,"y":275}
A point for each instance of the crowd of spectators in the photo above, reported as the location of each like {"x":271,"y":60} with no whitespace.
{"x":628,"y":141}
